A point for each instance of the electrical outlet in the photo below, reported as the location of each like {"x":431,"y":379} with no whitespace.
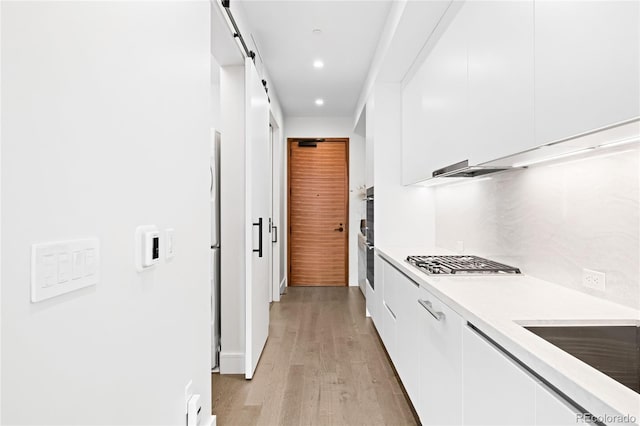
{"x":593,"y":279}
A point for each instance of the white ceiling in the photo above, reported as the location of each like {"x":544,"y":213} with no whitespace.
{"x":283,"y":32}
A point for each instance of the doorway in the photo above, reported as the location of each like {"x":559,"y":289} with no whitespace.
{"x":318,"y":212}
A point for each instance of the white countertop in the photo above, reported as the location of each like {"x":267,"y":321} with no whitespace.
{"x":496,"y":304}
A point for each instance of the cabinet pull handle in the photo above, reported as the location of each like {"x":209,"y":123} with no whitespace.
{"x":259,"y":249}
{"x":275,"y":234}
{"x":429,"y":307}
{"x":389,"y":309}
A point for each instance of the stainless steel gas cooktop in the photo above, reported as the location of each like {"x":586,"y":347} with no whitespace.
{"x":460,"y":265}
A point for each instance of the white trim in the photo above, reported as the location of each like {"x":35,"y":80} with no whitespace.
{"x":212,"y":421}
{"x":283,"y":285}
{"x":232,"y":363}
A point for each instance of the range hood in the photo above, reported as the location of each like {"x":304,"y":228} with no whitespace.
{"x":463,"y":170}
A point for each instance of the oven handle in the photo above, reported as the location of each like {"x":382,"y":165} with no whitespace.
{"x":429,"y":307}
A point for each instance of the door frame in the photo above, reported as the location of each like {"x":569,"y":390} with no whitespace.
{"x":276,"y":177}
{"x":290,"y":141}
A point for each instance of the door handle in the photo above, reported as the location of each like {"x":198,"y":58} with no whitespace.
{"x":259,"y":249}
{"x":341,"y":229}
{"x":275,"y":234}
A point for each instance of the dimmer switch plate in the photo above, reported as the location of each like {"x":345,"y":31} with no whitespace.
{"x":61,"y":267}
{"x":168,"y":243}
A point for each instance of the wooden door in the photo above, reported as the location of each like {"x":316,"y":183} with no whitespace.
{"x":318,"y":211}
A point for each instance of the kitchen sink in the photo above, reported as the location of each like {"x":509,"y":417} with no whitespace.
{"x":611,"y":349}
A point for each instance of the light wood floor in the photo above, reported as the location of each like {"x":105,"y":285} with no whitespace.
{"x":323,"y":364}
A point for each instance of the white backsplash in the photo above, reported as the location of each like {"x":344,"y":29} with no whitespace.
{"x":554,"y":220}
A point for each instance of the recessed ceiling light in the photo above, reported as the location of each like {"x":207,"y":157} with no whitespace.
{"x":318,"y":64}
{"x":319,"y":102}
{"x":317,"y":31}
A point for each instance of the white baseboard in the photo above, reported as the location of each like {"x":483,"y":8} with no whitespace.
{"x":283,"y":285}
{"x":232,"y":363}
{"x":212,"y":421}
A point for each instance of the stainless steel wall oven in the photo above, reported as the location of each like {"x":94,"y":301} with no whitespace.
{"x":370,"y":238}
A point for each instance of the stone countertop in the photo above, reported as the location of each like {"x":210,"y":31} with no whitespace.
{"x":499,"y":305}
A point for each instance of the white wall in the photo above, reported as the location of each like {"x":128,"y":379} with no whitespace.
{"x":105,"y":127}
{"x":404,"y":215}
{"x":329,"y":127}
{"x":554,"y":220}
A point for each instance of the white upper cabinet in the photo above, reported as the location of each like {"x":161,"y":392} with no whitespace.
{"x":502,"y":77}
{"x":472,"y":98}
{"x":434,"y":105}
{"x":500,"y":65}
{"x":587,"y":66}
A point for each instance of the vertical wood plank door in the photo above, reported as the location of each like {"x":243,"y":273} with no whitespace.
{"x":318,"y":212}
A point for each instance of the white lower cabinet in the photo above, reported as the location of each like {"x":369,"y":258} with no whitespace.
{"x":440,"y":366}
{"x":370,"y":297}
{"x":388,"y":334}
{"x":552,"y":409}
{"x":452,"y":373}
{"x":375,"y":305}
{"x":390,"y":307}
{"x":407,"y":357}
{"x":496,"y":390}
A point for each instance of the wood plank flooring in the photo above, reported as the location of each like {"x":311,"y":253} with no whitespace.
{"x":323,"y":365}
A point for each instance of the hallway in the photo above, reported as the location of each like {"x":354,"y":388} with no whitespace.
{"x":323,"y":364}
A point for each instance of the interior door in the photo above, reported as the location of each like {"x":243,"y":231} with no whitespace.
{"x":258,"y":199}
{"x":275,"y":214}
{"x":318,"y":212}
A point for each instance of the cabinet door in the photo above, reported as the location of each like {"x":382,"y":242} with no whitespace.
{"x":500,"y":48}
{"x":435,"y":105}
{"x":376,"y":309}
{"x":496,"y":390}
{"x":440,"y":362}
{"x":390,"y":308}
{"x":552,"y":409}
{"x":587,"y":66}
{"x":370,"y":296}
{"x":408,"y":357}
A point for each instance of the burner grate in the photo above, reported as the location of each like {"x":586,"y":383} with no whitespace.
{"x":460,"y":264}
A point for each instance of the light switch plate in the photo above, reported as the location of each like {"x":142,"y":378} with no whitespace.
{"x":168,"y":243}
{"x":55,"y":266}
